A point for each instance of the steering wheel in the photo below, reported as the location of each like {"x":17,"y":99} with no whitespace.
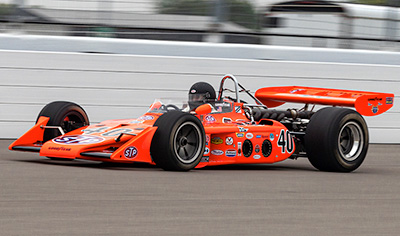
{"x":172,"y":106}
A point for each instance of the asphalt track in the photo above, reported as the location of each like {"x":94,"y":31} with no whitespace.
{"x":45,"y":197}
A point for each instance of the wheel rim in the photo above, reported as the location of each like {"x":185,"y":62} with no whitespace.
{"x":351,"y":141}
{"x":72,"y":121}
{"x":187,"y":142}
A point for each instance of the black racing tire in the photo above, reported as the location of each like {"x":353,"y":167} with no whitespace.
{"x":179,"y":141}
{"x":336,"y":140}
{"x":69,"y":116}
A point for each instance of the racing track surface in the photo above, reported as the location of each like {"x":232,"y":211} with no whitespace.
{"x":44,"y":197}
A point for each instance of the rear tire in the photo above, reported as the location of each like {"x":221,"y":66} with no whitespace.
{"x":336,"y":140}
{"x":69,"y":116}
{"x":178,"y":144}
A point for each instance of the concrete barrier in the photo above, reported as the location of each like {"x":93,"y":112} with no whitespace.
{"x":122,"y":86}
{"x":194,"y":49}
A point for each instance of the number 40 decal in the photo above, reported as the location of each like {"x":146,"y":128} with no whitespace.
{"x":285,"y":141}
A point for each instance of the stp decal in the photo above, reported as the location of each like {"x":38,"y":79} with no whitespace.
{"x":249,"y":135}
{"x":130,"y":152}
{"x":209,"y":119}
{"x":78,"y":139}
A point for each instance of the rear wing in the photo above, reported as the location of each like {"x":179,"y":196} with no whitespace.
{"x":366,"y":103}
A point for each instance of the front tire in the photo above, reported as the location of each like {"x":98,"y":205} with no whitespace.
{"x":178,"y":144}
{"x":336,"y":140}
{"x":69,"y":116}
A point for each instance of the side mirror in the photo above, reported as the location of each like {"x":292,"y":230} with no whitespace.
{"x":203,"y":109}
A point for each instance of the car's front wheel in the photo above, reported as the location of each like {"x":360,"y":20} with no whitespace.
{"x":179,"y":141}
{"x":67,"y":115}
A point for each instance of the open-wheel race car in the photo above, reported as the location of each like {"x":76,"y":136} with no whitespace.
{"x":217,"y":129}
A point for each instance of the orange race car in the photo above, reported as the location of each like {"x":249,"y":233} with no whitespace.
{"x":217,"y":129}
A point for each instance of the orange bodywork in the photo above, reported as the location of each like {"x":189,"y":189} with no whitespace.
{"x":225,"y":137}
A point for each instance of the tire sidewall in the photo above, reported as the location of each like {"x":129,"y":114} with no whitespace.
{"x":322,"y":139}
{"x":57,"y":111}
{"x":162,"y":146}
{"x":342,"y":162}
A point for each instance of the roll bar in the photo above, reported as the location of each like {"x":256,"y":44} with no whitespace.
{"x":237,"y":85}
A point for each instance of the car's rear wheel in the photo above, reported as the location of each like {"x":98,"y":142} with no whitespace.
{"x":336,"y":140}
{"x":179,"y":141}
{"x":67,"y":115}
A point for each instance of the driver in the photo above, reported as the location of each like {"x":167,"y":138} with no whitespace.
{"x":201,"y":93}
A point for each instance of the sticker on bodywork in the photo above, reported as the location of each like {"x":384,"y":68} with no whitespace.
{"x":130,"y":152}
{"x":78,"y":139}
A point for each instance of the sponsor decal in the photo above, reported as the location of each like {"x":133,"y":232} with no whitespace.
{"x":136,"y":121}
{"x":217,"y":140}
{"x":193,"y":91}
{"x":249,"y":135}
{"x":241,"y":129}
{"x":206,"y":151}
{"x":230,"y":153}
{"x":217,"y":152}
{"x":209,"y":119}
{"x":222,"y":104}
{"x":238,"y":109}
{"x":257,"y":148}
{"x":229,"y":140}
{"x":226,"y":120}
{"x":60,"y":149}
{"x":78,"y":139}
{"x":271,"y":136}
{"x":239,"y":148}
{"x":375,"y":109}
{"x":207,"y":140}
{"x":374,"y":99}
{"x":146,"y":118}
{"x":130,"y":152}
{"x":205,"y":159}
{"x":258,"y":136}
{"x":389,"y":100}
{"x":296,"y":90}
{"x":240,"y":135}
{"x":256,"y":157}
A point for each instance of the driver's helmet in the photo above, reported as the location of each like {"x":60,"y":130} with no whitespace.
{"x":201,"y":93}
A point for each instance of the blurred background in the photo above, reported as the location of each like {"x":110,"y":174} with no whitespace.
{"x":355,"y":24}
{"x":119,"y":55}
